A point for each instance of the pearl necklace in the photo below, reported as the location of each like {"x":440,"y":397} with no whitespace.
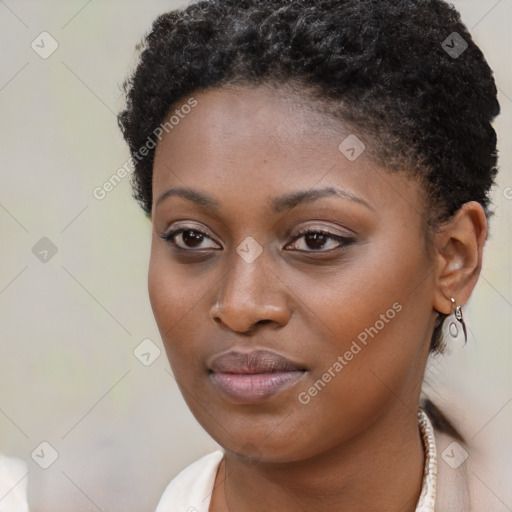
{"x":427,"y":499}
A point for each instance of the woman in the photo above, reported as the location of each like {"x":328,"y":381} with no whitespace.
{"x":317,"y":175}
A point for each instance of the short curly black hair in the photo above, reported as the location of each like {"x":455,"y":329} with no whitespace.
{"x":398,"y":72}
{"x":404,"y":75}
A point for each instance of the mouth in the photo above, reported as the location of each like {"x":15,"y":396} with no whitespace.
{"x":252,"y":377}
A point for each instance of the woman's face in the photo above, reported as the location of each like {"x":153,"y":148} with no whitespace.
{"x":286,"y":344}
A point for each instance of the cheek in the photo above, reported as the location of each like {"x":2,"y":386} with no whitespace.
{"x":362,"y":296}
{"x":163,"y":291}
{"x":178,"y":302}
{"x":375,"y":314}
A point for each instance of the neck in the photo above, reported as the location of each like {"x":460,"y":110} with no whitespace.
{"x":380,"y":470}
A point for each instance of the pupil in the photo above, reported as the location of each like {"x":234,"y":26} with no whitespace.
{"x":315,"y":240}
{"x":192,"y":238}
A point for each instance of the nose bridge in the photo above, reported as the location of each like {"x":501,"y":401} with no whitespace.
{"x":246,"y":281}
{"x":249,"y":291}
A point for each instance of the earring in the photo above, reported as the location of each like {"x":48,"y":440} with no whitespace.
{"x":458,"y":316}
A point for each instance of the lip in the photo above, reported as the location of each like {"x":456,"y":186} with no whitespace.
{"x":252,"y":377}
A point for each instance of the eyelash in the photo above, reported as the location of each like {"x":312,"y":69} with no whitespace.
{"x":343,"y":240}
{"x":168,"y":237}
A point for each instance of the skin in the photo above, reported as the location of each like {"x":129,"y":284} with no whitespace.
{"x":356,"y":444}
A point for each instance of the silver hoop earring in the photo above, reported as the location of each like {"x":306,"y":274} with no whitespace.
{"x":459,"y":317}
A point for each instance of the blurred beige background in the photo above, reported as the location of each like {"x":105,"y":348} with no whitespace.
{"x":71,"y":321}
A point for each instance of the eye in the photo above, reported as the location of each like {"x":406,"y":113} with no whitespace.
{"x":189,"y":239}
{"x":315,"y":240}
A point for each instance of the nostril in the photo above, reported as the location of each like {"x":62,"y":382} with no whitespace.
{"x":262,"y":322}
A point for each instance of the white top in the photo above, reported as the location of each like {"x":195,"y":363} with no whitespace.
{"x":13,"y":484}
{"x":191,"y":490}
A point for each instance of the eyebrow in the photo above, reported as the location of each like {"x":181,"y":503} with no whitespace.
{"x":192,"y":195}
{"x":291,"y":200}
{"x":278,"y":204}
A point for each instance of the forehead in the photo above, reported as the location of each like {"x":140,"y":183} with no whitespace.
{"x":257,"y":141}
{"x":233,"y":129}
{"x":231,"y":115}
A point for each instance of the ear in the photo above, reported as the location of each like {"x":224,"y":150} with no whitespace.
{"x":458,"y":248}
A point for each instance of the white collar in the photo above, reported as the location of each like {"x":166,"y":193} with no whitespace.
{"x":191,"y":490}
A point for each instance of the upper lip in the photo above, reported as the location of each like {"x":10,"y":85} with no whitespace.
{"x":256,"y":361}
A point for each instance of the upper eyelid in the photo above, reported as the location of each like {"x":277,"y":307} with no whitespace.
{"x":180,"y":229}
{"x":298,"y":234}
{"x":325,"y":231}
{"x":302,"y":232}
{"x":176,"y":227}
{"x":333,"y":236}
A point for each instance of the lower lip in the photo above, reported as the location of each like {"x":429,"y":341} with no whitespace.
{"x":252,"y":388}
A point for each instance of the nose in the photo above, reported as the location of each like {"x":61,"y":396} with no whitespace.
{"x":250,"y":294}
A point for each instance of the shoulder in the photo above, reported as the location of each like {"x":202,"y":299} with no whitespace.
{"x":452,"y":493}
{"x":190,"y":490}
{"x":13,"y":484}
{"x":460,"y":485}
